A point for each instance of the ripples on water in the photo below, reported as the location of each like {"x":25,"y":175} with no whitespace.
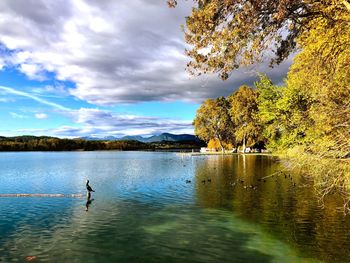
{"x":144,"y":211}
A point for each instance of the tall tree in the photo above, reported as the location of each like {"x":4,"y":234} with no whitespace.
{"x":269,"y":112}
{"x":213,"y":121}
{"x":326,"y":82}
{"x":225,"y":34}
{"x":244,"y":109}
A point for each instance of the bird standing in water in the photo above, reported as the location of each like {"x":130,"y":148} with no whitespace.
{"x":88,"y":195}
{"x":88,"y":187}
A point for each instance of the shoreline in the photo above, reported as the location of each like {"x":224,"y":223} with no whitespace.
{"x":220,"y":153}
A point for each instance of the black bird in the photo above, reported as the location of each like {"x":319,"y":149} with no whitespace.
{"x":203,"y":181}
{"x":188,"y":181}
{"x":88,"y":187}
{"x":209,"y":180}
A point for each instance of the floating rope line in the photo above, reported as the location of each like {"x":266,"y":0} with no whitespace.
{"x":42,"y":195}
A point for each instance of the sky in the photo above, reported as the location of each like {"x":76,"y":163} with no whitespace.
{"x":102,"y":68}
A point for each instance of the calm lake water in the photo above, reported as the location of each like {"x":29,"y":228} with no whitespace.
{"x":144,"y":211}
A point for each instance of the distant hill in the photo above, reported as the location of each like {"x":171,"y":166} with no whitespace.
{"x":132,"y":138}
{"x":172,"y":138}
{"x":25,"y":138}
{"x":162,"y":142}
{"x":169,"y":137}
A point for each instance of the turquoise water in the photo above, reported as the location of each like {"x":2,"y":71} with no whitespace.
{"x":144,"y":211}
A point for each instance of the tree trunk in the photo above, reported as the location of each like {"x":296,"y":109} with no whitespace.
{"x":222,"y":147}
{"x":219,"y":139}
{"x":244,"y":143}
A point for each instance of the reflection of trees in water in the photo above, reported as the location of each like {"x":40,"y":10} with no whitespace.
{"x":292,"y":213}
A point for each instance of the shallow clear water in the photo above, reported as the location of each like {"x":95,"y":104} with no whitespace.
{"x":144,"y":211}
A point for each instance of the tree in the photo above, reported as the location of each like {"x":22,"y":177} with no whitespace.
{"x":294,"y":120}
{"x":225,"y":34}
{"x":322,"y":72}
{"x":214,"y":144}
{"x":213,"y":121}
{"x":243,"y":111}
{"x":269,"y":113}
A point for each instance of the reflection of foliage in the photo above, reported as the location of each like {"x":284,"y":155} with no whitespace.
{"x":290,"y":213}
{"x":328,"y":174}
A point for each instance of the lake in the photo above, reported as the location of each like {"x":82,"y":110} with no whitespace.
{"x":144,"y":211}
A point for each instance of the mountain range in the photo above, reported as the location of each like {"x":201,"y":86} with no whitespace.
{"x":155,"y":138}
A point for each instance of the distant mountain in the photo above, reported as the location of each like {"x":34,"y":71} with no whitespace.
{"x":171,"y":138}
{"x":155,"y":138}
{"x":88,"y":138}
{"x":131,"y":138}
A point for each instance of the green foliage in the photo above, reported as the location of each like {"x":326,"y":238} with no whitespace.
{"x":295,"y":122}
{"x":322,"y":71}
{"x":310,"y":115}
{"x":269,"y":112}
{"x":282,"y":117}
{"x":313,"y":110}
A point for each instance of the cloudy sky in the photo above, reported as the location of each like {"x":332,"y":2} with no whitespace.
{"x":100,"y":68}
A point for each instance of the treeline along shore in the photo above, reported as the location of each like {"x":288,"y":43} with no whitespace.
{"x":45,"y":143}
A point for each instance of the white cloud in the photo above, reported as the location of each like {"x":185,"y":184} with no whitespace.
{"x":17,"y":116}
{"x":2,"y":63}
{"x":8,"y":90}
{"x":101,"y":122}
{"x":33,"y":71}
{"x":41,"y":116}
{"x":87,"y":123}
{"x":114,"y":51}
